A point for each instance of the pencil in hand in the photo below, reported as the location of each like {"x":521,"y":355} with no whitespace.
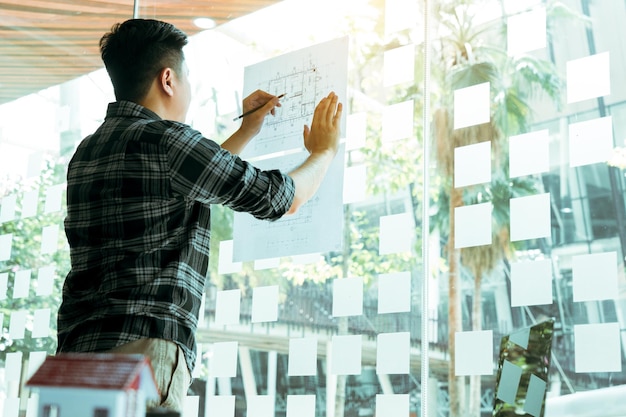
{"x":253,"y":110}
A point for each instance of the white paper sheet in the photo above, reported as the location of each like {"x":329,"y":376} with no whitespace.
{"x":221,"y":405}
{"x":346,"y":355}
{"x":472,"y":164}
{"x":227,"y":307}
{"x":474,"y":353}
{"x":398,"y":120}
{"x":588,"y":77}
{"x":594,"y":277}
{"x":535,"y":396}
{"x":29,"y":203}
{"x":471,"y":105}
{"x":21,"y":283}
{"x":226,"y":265}
{"x":526,"y":31}
{"x":396,"y":233}
{"x":35,"y":359}
{"x":531,"y":283}
{"x":41,"y":323}
{"x":7,"y":208}
{"x":316,"y":227}
{"x":305,"y":77}
{"x":393,"y":353}
{"x":224,"y":360}
{"x":399,"y":65}
{"x":6,"y":241}
{"x":4,"y":285}
{"x":392,"y":405}
{"x":347,"y":297}
{"x":17,"y":324}
{"x":54,"y":198}
{"x":529,"y":153}
{"x":509,"y":382}
{"x":597,"y":348}
{"x":260,"y":406}
{"x":591,"y":141}
{"x":13,"y":366}
{"x":302,"y":356}
{"x":191,"y":406}
{"x":49,"y":239}
{"x":356,"y":130}
{"x":394,"y":292}
{"x":355,"y":184}
{"x":45,"y":280}
{"x":265,"y":304}
{"x":472,"y":225}
{"x":530,"y":217}
{"x":300,"y":406}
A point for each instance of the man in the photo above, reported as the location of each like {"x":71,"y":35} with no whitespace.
{"x":139,"y":192}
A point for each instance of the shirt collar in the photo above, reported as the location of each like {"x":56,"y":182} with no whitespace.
{"x":124,"y":108}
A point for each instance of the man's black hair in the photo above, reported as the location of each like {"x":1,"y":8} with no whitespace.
{"x":134,"y":52}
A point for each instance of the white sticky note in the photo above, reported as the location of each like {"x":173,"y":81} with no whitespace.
{"x":54,"y":198}
{"x":588,"y":77}
{"x":393,"y":353}
{"x":400,"y":15}
{"x":354,"y":184}
{"x":41,"y":323}
{"x":398,"y":121}
{"x":472,"y":105}
{"x":347,"y":297}
{"x":472,"y":164}
{"x":227,"y":307}
{"x":260,"y":406}
{"x":535,"y":396}
{"x":531,"y":283}
{"x":530,"y":217}
{"x":509,"y":382}
{"x":590,"y":142}
{"x":394,"y":292}
{"x":399,"y":65}
{"x":526,"y":31}
{"x":474,"y":353}
{"x":50,"y":239}
{"x":269,"y":263}
{"x":11,"y":407}
{"x":356,"y":130}
{"x":32,"y":405}
{"x":392,"y":405}
{"x":597,"y":347}
{"x":6,"y":241}
{"x":21,"y":283}
{"x":302,"y":356}
{"x":45,"y":280}
{"x":35,"y":162}
{"x":265,"y":304}
{"x":35,"y":359}
{"x":221,"y":405}
{"x":396,"y":233}
{"x":191,"y":406}
{"x":17,"y":324}
{"x":346,"y":355}
{"x":594,"y":277}
{"x":224,"y":360}
{"x":529,"y":153}
{"x":13,"y":366}
{"x":29,"y":203}
{"x":4,"y":284}
{"x":300,"y":406}
{"x":472,"y":225}
{"x":225,"y":262}
{"x":7,"y":208}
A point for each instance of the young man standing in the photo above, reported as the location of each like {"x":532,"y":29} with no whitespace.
{"x":139,"y":191}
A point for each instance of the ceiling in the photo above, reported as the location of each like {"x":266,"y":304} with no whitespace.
{"x":48,"y":42}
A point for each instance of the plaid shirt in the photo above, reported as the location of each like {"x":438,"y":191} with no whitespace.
{"x":138,"y":223}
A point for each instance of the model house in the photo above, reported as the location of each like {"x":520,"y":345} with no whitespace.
{"x":94,"y":385}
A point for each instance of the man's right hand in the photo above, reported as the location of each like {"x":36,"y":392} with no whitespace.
{"x":323,"y":135}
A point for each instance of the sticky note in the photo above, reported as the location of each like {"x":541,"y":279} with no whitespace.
{"x":400,"y":15}
{"x":472,"y":164}
{"x":269,"y":263}
{"x":302,"y":356}
{"x":265,"y":304}
{"x":221,"y":405}
{"x":521,"y":337}
{"x":398,"y":121}
{"x":7,"y":208}
{"x":590,"y":142}
{"x":394,"y":292}
{"x":535,"y":396}
{"x":35,"y":359}
{"x":191,"y":405}
{"x":4,"y":284}
{"x":472,"y":225}
{"x":356,"y":130}
{"x":392,"y":405}
{"x":346,"y":355}
{"x":347,"y":297}
{"x":6,"y":241}
{"x":227,"y":307}
{"x":530,"y":217}
{"x":224,"y":360}
{"x":526,"y":31}
{"x":509,"y":382}
{"x":11,"y":407}
{"x":399,"y":65}
{"x":35,"y":161}
{"x":21,"y":283}
{"x":225,"y":261}
{"x":41,"y":323}
{"x":260,"y":406}
{"x":29,"y":203}
{"x":54,"y":198}
{"x":472,"y":105}
{"x":49,"y":239}
{"x":396,"y":233}
{"x":300,"y":406}
{"x":594,"y":277}
{"x":474,"y":353}
{"x":17,"y":324}
{"x":354,"y":184}
{"x":13,"y":366}
{"x":393,"y":353}
{"x":529,"y":153}
{"x":597,"y":348}
{"x":531,"y":283}
{"x":45,"y":280}
{"x":588,"y":77}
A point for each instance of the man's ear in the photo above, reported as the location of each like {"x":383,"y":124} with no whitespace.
{"x":166,"y":80}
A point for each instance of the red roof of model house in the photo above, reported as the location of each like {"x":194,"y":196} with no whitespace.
{"x":96,"y":371}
